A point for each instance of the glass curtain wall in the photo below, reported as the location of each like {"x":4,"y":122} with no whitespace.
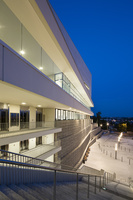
{"x":4,"y":119}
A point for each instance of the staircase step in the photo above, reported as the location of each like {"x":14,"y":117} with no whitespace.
{"x":11,"y":194}
{"x":46,"y":191}
{"x":3,"y":196}
{"x":22,"y":192}
{"x":33,"y":192}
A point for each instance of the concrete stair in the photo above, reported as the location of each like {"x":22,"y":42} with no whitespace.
{"x":64,"y":191}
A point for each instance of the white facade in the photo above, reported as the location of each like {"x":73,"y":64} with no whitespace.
{"x":41,"y":72}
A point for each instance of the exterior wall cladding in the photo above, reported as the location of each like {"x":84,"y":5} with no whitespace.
{"x":42,"y":72}
{"x":74,"y":140}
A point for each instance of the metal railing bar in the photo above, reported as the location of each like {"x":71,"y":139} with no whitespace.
{"x":42,"y":167}
{"x":77,"y":188}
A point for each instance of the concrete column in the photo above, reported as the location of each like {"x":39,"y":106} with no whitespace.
{"x":49,"y":115}
{"x":32,"y":118}
{"x":32,"y":143}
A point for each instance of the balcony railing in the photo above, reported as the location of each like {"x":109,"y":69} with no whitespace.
{"x":27,"y":125}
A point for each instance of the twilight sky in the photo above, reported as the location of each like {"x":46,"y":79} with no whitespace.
{"x":102,"y":31}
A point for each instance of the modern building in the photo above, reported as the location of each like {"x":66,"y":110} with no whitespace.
{"x":45,"y":86}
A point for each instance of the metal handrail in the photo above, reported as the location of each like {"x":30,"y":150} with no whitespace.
{"x":31,"y":166}
{"x":28,"y":159}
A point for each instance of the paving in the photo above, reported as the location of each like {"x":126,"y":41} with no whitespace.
{"x":102,"y":156}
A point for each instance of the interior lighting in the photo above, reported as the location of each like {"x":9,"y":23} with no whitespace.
{"x":39,"y":106}
{"x":41,"y":68}
{"x":23,"y":103}
{"x":22,"y":52}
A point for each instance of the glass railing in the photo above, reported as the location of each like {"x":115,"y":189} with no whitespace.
{"x":61,"y":80}
{"x":4,"y":127}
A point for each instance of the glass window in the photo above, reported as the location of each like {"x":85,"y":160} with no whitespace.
{"x":59,"y":82}
{"x":38,"y":140}
{"x":64,"y":114}
{"x":59,"y":114}
{"x":14,"y":119}
{"x":56,"y":114}
{"x":23,"y":145}
{"x":62,"y":117}
{"x":58,"y":76}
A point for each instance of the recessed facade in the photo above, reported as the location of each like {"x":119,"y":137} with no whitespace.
{"x":45,"y":86}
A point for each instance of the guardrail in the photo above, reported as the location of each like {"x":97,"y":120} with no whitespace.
{"x":13,"y":172}
{"x":28,"y":125}
{"x":7,"y":155}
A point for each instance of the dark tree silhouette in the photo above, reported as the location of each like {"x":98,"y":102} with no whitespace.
{"x":98,"y":118}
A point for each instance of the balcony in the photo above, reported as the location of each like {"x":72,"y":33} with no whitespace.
{"x":27,"y":131}
{"x":40,"y":153}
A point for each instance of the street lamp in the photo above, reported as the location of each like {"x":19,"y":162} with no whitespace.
{"x":101,"y":125}
{"x":107,"y":125}
{"x":119,"y":138}
{"x":116,"y":151}
{"x":119,"y":141}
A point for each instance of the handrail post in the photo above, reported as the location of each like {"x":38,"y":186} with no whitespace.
{"x":103,"y":180}
{"x":88,"y":193}
{"x":77,"y":188}
{"x":54,"y":192}
{"x":100,"y":184}
{"x":95,"y":184}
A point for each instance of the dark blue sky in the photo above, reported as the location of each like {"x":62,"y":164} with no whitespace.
{"x":102,"y":31}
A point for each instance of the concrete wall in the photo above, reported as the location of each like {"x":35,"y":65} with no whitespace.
{"x":14,"y":147}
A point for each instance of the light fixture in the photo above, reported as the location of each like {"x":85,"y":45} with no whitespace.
{"x":116,"y":147}
{"x":41,"y":68}
{"x":39,"y":106}
{"x":22,"y":52}
{"x":23,"y":103}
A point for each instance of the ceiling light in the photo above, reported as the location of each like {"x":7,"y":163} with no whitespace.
{"x":39,"y":106}
{"x":22,"y":52}
{"x":41,"y":68}
{"x":23,"y":103}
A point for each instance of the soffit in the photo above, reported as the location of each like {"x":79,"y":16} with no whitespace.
{"x":11,"y":94}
